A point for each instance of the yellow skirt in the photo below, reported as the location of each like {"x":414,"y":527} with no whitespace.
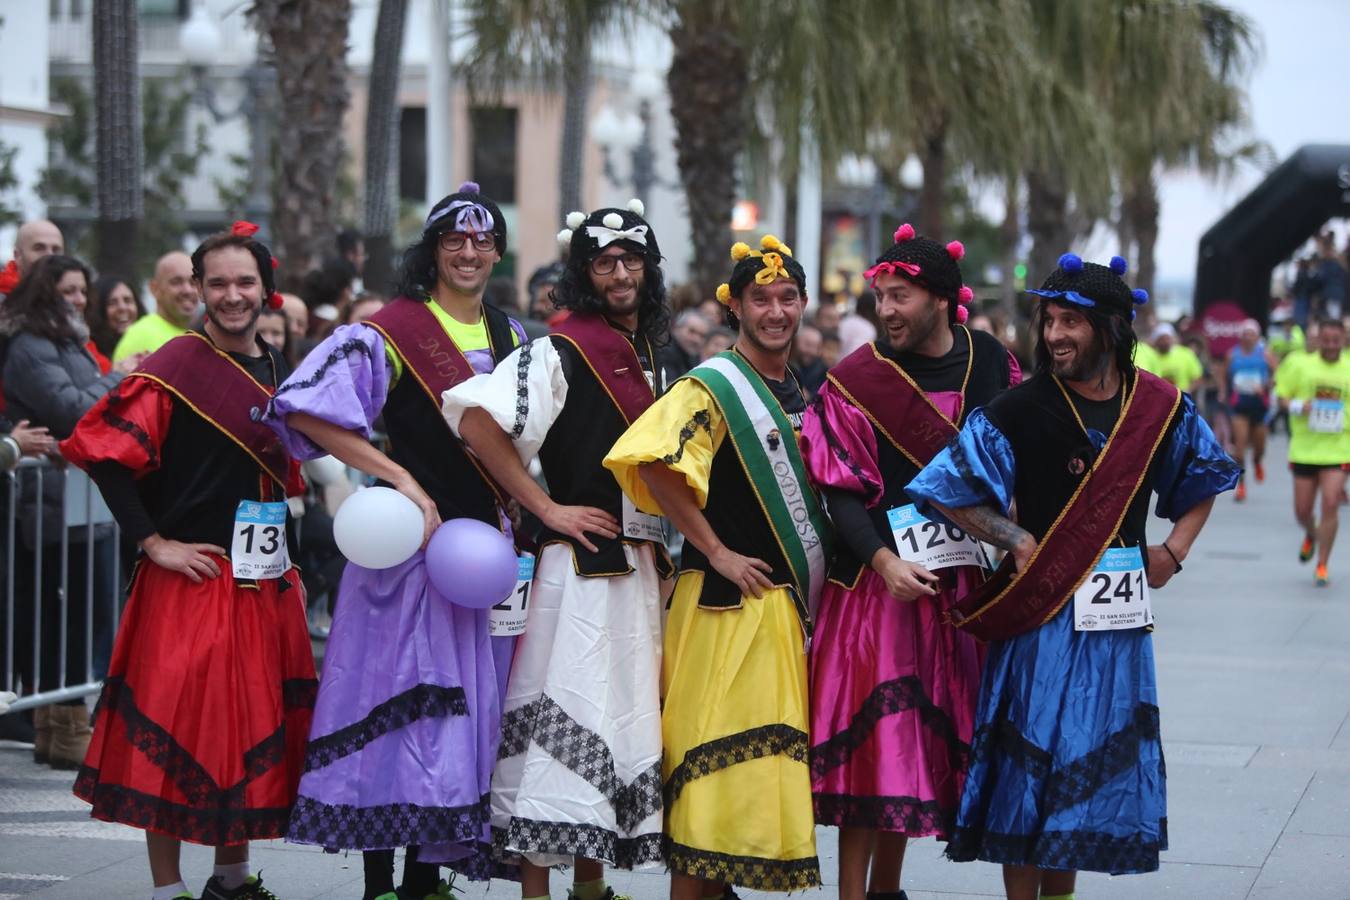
{"x":738,"y":789}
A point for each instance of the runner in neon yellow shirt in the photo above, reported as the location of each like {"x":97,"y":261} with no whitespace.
{"x":1175,"y":361}
{"x":1315,"y":391}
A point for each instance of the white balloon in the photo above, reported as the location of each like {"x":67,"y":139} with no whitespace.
{"x":378,"y":528}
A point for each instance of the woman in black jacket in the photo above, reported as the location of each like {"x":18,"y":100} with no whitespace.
{"x":51,"y":379}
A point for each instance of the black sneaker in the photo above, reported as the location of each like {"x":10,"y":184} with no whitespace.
{"x":252,"y":888}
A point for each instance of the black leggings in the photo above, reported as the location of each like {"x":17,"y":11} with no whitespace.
{"x":419,"y":878}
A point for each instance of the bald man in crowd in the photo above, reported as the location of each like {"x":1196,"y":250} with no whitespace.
{"x":176,"y":303}
{"x":35,"y":240}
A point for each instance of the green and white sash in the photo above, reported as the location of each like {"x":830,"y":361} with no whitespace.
{"x":767,"y":446}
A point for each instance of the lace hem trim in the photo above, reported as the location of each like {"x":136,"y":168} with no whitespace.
{"x":213,"y":825}
{"x":571,"y":839}
{"x":336,"y":355}
{"x":422,"y":701}
{"x":1088,"y":851}
{"x":522,"y":391}
{"x":887,"y":699}
{"x":750,"y":872}
{"x":347,"y":827}
{"x":722,"y":753}
{"x":907,"y":815}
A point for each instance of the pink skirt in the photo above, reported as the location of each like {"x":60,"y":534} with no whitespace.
{"x":893,"y":697}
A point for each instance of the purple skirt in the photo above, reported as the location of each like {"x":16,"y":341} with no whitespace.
{"x":407,"y":723}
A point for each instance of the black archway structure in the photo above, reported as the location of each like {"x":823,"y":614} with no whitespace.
{"x":1238,"y":254}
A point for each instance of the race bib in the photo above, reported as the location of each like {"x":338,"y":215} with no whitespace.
{"x":258,"y":549}
{"x":1326,"y":416}
{"x":507,"y":619}
{"x":1115,"y":595}
{"x":931,"y":545}
{"x":1249,"y":383}
{"x":639,"y":526}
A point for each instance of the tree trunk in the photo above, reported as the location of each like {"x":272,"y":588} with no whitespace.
{"x":1140,"y":208}
{"x":1010,"y":235}
{"x":117,"y":144}
{"x":1047,"y":222}
{"x":708,"y":82}
{"x":382,"y":134}
{"x":309,"y":53}
{"x":576,"y":95}
{"x":933,"y":193}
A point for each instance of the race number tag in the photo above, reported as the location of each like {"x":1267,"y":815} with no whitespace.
{"x":639,"y":526}
{"x":507,"y":619}
{"x":1326,"y":416}
{"x":259,"y":546}
{"x":1115,"y":595}
{"x":931,"y":545}
{"x":1248,"y":383}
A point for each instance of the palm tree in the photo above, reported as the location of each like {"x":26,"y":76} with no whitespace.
{"x":118,"y":149}
{"x":309,"y":52}
{"x":382,"y":133}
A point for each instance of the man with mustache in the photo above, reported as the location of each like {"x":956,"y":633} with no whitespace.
{"x":718,"y":455}
{"x":881,"y":653}
{"x":1066,"y":769}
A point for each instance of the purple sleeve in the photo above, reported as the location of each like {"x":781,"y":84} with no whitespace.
{"x":840,"y":447}
{"x":344,"y":381}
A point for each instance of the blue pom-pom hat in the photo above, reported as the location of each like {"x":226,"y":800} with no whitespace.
{"x":1091,"y":285}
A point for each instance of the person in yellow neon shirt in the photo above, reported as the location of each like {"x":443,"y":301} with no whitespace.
{"x":1175,"y":361}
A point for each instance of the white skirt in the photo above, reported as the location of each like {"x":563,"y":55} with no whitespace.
{"x":579,"y":770}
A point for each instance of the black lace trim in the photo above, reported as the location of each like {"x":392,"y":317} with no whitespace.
{"x":837,"y":448}
{"x":722,"y":753}
{"x":700,"y":419}
{"x":299,"y":693}
{"x":130,"y":428}
{"x":181,"y":767}
{"x":571,"y":839}
{"x":907,"y":815}
{"x":522,"y":391}
{"x":887,"y":699}
{"x":208,"y":824}
{"x":347,"y":827}
{"x":1003,"y":734}
{"x":745,"y":871}
{"x":422,"y":701}
{"x":1083,"y":777}
{"x":336,"y":355}
{"x":584,"y":753}
{"x":1089,"y":851}
{"x":482,"y":865}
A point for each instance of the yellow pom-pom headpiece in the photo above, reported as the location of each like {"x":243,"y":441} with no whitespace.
{"x":739,"y":251}
{"x":724,"y":291}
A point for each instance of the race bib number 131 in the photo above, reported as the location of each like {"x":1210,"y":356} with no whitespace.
{"x":258,"y":549}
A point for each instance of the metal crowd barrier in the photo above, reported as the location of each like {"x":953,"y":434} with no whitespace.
{"x":82,"y":507}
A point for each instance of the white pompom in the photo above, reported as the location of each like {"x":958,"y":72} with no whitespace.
{"x":574,"y":219}
{"x":613,"y":220}
{"x":635,"y":206}
{"x":565,"y":237}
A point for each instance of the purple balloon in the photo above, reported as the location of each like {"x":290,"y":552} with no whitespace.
{"x":471,"y":563}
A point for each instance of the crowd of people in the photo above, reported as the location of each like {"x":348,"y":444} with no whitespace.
{"x":912,"y":594}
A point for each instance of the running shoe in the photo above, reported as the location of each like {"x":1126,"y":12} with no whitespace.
{"x":252,"y":889}
{"x":1320,"y":577}
{"x":1260,"y":473}
{"x":1305,"y":552}
{"x":1241,"y":494}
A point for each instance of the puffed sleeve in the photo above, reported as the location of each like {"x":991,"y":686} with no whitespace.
{"x":1192,"y":466}
{"x":975,"y":469}
{"x":840,"y":447}
{"x":127,"y":426}
{"x":683,"y":430}
{"x":524,"y":395}
{"x":344,"y":380}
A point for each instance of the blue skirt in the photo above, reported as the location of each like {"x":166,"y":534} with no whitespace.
{"x":1066,"y":766}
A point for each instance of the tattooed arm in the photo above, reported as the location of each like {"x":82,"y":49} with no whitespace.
{"x":989,"y":525}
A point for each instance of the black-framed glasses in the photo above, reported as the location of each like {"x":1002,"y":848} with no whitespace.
{"x":455,"y":240}
{"x":604,"y":265}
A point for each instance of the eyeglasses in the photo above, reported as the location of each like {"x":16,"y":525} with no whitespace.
{"x":604,"y":265}
{"x":455,"y":240}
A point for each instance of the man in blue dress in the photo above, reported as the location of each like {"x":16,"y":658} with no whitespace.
{"x":1066,"y":768}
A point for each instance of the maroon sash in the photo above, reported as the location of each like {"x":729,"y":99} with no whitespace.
{"x":1010,"y":603}
{"x":612,"y":359}
{"x":428,"y":351}
{"x":895,"y":404}
{"x":220,"y":391}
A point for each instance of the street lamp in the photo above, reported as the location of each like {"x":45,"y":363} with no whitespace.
{"x":625,"y":131}
{"x":200,"y":40}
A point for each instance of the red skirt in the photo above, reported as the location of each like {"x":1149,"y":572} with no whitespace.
{"x":200,"y":731}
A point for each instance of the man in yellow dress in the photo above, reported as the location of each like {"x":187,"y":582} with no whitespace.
{"x":718,"y":454}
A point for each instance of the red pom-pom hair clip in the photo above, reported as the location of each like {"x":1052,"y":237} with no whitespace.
{"x":963,"y":296}
{"x":243,"y":229}
{"x":275,"y":265}
{"x":962,"y":314}
{"x":904,"y":233}
{"x":956,"y":250}
{"x":275,"y":301}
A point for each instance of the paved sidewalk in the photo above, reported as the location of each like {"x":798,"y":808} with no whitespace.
{"x":1254,"y":677}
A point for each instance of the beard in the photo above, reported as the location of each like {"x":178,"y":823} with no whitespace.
{"x":916,"y":330}
{"x":243,"y":329}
